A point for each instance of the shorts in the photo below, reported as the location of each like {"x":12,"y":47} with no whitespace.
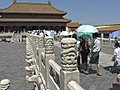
{"x":94,"y":59}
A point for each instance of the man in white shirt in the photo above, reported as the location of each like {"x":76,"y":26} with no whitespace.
{"x":95,"y":50}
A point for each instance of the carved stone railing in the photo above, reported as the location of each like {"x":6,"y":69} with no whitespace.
{"x":44,"y":72}
{"x":72,"y":85}
{"x":33,"y":45}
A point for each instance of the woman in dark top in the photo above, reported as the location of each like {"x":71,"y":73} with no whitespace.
{"x":84,"y":51}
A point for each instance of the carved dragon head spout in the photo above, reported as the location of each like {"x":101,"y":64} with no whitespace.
{"x":5,"y":84}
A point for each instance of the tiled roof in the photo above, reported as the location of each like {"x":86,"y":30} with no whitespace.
{"x":40,"y":8}
{"x":64,"y":20}
{"x":105,"y":28}
{"x":73,"y":25}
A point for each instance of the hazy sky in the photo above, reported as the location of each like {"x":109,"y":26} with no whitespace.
{"x":83,"y":11}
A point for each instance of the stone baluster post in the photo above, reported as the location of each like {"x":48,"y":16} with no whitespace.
{"x":41,"y":49}
{"x":35,"y":45}
{"x":49,"y":46}
{"x":69,"y":69}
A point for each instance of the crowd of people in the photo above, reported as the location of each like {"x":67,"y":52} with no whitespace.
{"x":56,"y":35}
{"x":51,"y":33}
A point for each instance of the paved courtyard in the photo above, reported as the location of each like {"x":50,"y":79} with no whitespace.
{"x":12,"y":63}
{"x":104,"y":82}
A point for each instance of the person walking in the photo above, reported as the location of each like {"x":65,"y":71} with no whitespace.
{"x":116,"y":42}
{"x":84,"y":51}
{"x":95,"y":50}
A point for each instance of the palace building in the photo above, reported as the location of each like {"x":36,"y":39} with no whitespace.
{"x":22,"y":17}
{"x":105,"y":30}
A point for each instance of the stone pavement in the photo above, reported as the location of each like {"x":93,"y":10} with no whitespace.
{"x":12,"y":63}
{"x":104,"y":82}
{"x":94,"y":82}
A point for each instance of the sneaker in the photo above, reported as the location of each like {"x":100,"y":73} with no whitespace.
{"x":99,"y":74}
{"x":86,"y":72}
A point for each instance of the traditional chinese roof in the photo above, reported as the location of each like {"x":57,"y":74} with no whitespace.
{"x":73,"y":25}
{"x":107,"y":28}
{"x":33,"y":20}
{"x":38,"y":8}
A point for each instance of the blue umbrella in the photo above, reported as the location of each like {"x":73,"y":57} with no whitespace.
{"x":115,"y":34}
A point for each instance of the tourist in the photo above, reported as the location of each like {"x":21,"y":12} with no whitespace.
{"x":84,"y":51}
{"x":116,"y":57}
{"x":41,"y":33}
{"x":53,"y":34}
{"x":74,"y":36}
{"x":58,"y":36}
{"x":95,"y":50}
{"x":116,"y":42}
{"x":78,"y":52}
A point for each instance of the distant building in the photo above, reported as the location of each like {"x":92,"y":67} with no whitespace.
{"x":105,"y":30}
{"x":23,"y":17}
{"x":72,"y":26}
